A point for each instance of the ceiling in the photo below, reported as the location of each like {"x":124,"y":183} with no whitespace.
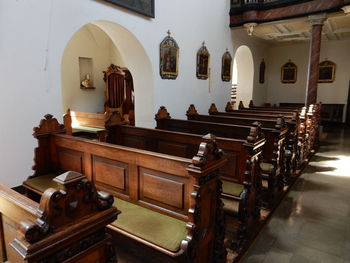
{"x":336,"y":27}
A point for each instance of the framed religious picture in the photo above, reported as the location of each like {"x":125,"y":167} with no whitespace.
{"x":289,"y":72}
{"x":169,"y":58}
{"x":203,"y":62}
{"x":226,"y":66}
{"x":262,"y":72}
{"x":144,"y":7}
{"x":326,"y":72}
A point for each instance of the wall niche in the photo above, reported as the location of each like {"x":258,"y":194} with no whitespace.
{"x":86,"y":76}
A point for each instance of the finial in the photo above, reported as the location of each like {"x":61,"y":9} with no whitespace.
{"x":168,"y":33}
{"x":203,"y":44}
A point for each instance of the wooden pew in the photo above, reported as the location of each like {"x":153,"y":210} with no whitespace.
{"x":65,"y":227}
{"x":169,"y":204}
{"x":237,"y":186}
{"x":307,"y":128}
{"x":274,"y":160}
{"x":295,"y":139}
{"x":252,"y":106}
{"x":91,"y":125}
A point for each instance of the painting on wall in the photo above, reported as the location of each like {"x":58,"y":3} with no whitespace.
{"x":144,"y":7}
{"x":226,"y":66}
{"x":262,"y":72}
{"x":326,"y":72}
{"x":289,"y":72}
{"x":203,"y":62}
{"x":169,"y":58}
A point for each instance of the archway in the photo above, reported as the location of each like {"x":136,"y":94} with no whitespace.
{"x":243,"y":75}
{"x":97,"y":45}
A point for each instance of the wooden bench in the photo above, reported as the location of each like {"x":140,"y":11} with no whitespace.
{"x":274,"y":159}
{"x":295,"y":121}
{"x":67,"y":226}
{"x":237,"y":186}
{"x":307,"y":127}
{"x":169,"y":204}
{"x":90,"y":125}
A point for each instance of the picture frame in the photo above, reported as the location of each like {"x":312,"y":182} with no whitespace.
{"x":289,"y":72}
{"x":203,"y":57}
{"x":262,"y":72}
{"x":143,"y":7}
{"x":168,"y":58}
{"x":226,"y":66}
{"x":326,"y":72}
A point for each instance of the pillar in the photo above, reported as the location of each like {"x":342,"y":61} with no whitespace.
{"x":315,"y":46}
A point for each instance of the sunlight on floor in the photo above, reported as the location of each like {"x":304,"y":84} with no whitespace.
{"x":341,"y":165}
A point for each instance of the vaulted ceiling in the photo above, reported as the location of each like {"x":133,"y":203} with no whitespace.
{"x":336,"y":27}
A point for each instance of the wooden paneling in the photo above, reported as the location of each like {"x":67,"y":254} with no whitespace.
{"x":70,"y":160}
{"x":173,"y":148}
{"x":163,"y":189}
{"x":111,"y":174}
{"x":134,"y":141}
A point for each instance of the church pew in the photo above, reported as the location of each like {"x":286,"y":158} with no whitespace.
{"x":241,"y":156}
{"x":307,"y":128}
{"x":169,"y":204}
{"x":269,"y":109}
{"x":64,"y":227}
{"x":165,"y":122}
{"x":295,"y":120}
{"x":90,"y":125}
{"x":252,"y":106}
{"x":274,"y":160}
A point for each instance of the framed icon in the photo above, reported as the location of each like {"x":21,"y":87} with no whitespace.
{"x":226,"y":66}
{"x":203,"y":62}
{"x":169,"y":58}
{"x":289,"y":72}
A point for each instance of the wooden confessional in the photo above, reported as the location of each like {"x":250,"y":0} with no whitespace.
{"x":119,"y":94}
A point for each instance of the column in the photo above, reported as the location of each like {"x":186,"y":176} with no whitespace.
{"x":315,"y":46}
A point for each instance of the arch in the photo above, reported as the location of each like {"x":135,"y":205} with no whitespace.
{"x":130,"y":54}
{"x":243,"y":74}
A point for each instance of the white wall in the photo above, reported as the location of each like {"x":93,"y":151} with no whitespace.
{"x":91,"y":42}
{"x":35,"y":33}
{"x":336,"y":92}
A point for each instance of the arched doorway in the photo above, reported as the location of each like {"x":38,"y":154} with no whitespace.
{"x":92,"y":49}
{"x":243,"y":75}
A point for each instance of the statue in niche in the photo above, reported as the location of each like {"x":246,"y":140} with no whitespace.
{"x":86,"y":83}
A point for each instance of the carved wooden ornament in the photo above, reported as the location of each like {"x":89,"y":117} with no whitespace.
{"x":213,"y":109}
{"x":162,"y":114}
{"x":191,"y":110}
{"x":229,"y":107}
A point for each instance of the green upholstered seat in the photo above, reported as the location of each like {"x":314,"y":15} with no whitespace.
{"x":267,"y":167}
{"x":42,"y":182}
{"x":164,"y":231}
{"x":232,"y":188}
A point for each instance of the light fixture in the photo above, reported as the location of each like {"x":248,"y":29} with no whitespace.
{"x":250,"y":28}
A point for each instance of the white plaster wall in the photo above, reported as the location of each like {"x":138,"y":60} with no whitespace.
{"x":259,"y":51}
{"x":336,"y":92}
{"x":34,"y":34}
{"x":89,"y":41}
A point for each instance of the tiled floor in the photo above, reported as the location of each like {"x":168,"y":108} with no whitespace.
{"x":312,"y":223}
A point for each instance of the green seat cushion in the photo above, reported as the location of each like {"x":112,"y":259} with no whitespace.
{"x":232,"y":188}
{"x":88,"y":128}
{"x":267,"y":167}
{"x":42,"y":182}
{"x":164,"y":231}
